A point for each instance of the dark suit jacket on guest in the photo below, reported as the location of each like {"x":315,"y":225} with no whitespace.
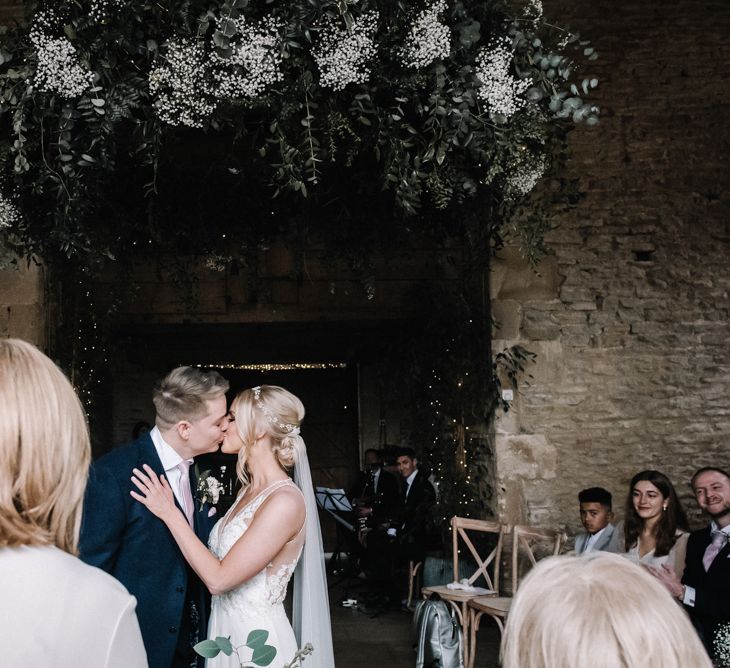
{"x":385,"y":500}
{"x":417,"y":529}
{"x":119,"y":535}
{"x":712,"y":588}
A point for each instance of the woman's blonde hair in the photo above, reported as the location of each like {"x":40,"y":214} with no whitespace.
{"x":274,"y":408}
{"x":44,"y":451}
{"x":597,"y":610}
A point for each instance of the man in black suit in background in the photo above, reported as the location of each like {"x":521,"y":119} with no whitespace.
{"x":415,"y":534}
{"x":705,"y":585}
{"x":376,"y":492}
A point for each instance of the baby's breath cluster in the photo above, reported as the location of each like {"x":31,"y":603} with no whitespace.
{"x":533,"y":9}
{"x":526,"y":175}
{"x":180,"y":85}
{"x":99,"y":9}
{"x":342,"y":55}
{"x":721,"y":646}
{"x":9,"y":214}
{"x":255,"y":63}
{"x":499,"y":89}
{"x":428,"y":39}
{"x":58,"y":69}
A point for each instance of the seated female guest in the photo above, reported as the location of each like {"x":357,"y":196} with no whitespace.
{"x":56,"y":610}
{"x":655,"y":527}
{"x":597,"y":610}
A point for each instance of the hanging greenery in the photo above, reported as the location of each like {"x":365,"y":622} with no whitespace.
{"x":205,"y":127}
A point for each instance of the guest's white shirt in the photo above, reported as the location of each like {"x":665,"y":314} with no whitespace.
{"x":674,"y":560}
{"x":409,"y":480}
{"x":592,"y":540}
{"x":376,"y":480}
{"x":170,"y":460}
{"x":58,"y":611}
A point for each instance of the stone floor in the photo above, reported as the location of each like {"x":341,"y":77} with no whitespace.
{"x":385,"y":640}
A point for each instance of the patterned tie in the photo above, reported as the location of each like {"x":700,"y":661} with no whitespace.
{"x":187,"y":496}
{"x":718,"y":542}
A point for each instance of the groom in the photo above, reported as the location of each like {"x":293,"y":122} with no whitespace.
{"x":120,"y":536}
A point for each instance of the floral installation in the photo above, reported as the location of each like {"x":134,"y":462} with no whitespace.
{"x":9,"y":214}
{"x":209,"y":488}
{"x":417,"y":108}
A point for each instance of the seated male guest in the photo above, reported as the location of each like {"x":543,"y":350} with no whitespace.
{"x":705,"y":585}
{"x":376,"y":493}
{"x":596,"y":515}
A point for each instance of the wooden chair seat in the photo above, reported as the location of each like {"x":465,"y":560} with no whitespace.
{"x":452,"y":594}
{"x":486,"y":567}
{"x":494,"y":605}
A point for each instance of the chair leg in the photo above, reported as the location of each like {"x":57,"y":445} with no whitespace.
{"x":412,"y":573}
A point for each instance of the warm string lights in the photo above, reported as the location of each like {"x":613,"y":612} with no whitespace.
{"x":276,"y":366}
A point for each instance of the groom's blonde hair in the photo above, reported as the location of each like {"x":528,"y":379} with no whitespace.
{"x":44,"y":451}
{"x":183,"y":393}
{"x":598,"y":610}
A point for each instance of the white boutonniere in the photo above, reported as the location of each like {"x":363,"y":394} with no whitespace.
{"x":209,"y":488}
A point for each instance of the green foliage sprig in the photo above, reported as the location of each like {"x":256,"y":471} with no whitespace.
{"x":264,"y":107}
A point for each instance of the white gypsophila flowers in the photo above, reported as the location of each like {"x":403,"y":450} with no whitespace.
{"x":525,"y":177}
{"x":428,"y":38}
{"x":533,"y":9}
{"x":180,"y":85}
{"x":255,"y":63}
{"x":499,"y":89}
{"x":99,"y":9}
{"x":9,"y":214}
{"x":342,"y":55}
{"x":58,"y":69}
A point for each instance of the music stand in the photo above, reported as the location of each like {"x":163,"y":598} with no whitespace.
{"x":335,"y":503}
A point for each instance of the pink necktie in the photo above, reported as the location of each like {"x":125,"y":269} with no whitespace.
{"x":718,"y":542}
{"x":187,"y":496}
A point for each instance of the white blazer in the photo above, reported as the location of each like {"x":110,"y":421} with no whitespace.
{"x":57,"y":611}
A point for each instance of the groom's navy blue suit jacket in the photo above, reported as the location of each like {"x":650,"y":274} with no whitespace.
{"x":122,"y":537}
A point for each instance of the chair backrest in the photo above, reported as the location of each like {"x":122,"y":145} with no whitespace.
{"x":533,"y":543}
{"x":459,"y":528}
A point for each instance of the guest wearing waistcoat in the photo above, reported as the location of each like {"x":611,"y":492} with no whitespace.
{"x":705,"y":585}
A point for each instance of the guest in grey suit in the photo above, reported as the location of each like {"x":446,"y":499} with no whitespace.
{"x":595,"y":516}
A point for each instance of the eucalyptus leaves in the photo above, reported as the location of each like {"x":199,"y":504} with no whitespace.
{"x":262,"y":654}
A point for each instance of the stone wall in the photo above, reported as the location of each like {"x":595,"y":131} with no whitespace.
{"x":22,"y":307}
{"x":629,"y":317}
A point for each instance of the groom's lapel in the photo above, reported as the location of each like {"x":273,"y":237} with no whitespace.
{"x":149,"y":456}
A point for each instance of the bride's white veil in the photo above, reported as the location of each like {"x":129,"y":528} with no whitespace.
{"x":311,"y":614}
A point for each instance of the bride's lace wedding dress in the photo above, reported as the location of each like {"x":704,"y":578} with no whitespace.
{"x":259,"y":602}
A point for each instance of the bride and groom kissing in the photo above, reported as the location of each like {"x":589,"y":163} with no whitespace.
{"x":143,"y":525}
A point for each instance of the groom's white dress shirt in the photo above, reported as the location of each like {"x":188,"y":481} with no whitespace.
{"x":170,"y":460}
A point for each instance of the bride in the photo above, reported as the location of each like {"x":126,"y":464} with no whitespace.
{"x":270,"y":532}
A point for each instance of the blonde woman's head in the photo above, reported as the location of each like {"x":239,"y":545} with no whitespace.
{"x":271,"y":410}
{"x":597,"y":610}
{"x":44,"y":451}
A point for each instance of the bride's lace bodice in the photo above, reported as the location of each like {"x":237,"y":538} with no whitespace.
{"x":266,"y":589}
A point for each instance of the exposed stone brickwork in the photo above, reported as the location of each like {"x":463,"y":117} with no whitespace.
{"x":22,"y":309}
{"x":632,"y":337}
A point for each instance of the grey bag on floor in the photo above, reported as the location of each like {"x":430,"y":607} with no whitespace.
{"x":438,"y":635}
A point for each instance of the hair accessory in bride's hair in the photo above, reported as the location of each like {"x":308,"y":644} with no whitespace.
{"x":291,"y":429}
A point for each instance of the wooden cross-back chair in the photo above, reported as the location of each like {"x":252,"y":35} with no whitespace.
{"x":487,"y":567}
{"x":524,"y":541}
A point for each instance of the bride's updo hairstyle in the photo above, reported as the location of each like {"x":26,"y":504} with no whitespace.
{"x":274,"y":408}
